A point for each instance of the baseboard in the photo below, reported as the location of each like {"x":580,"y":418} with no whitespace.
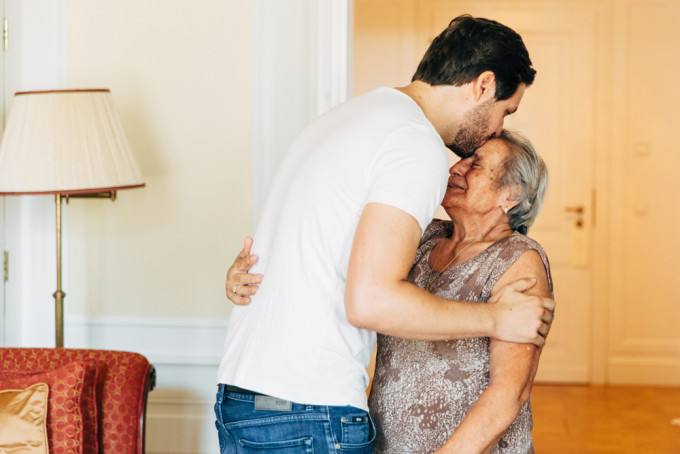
{"x":654,"y":371}
{"x":560,"y":374}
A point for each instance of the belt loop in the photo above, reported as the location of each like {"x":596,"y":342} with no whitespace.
{"x":220,"y":393}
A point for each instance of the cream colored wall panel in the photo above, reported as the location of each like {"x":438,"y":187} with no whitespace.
{"x":645,"y":319}
{"x":182,"y":76}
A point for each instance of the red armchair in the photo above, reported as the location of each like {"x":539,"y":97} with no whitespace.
{"x":97,"y":398}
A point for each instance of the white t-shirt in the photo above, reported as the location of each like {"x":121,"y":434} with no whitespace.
{"x":293,"y":341}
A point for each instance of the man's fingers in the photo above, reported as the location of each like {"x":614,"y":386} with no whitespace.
{"x":518,"y":286}
{"x":547,"y":317}
{"x":549,"y":304}
{"x":521,"y":285}
{"x":539,"y":341}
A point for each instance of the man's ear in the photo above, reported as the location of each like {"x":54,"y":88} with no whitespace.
{"x":484,"y":86}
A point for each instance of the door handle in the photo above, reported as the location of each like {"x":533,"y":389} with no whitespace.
{"x":578,"y":210}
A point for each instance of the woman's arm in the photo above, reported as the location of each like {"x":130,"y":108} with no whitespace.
{"x":512,"y":370}
{"x":239,"y":284}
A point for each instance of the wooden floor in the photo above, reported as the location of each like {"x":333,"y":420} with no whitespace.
{"x":606,"y":419}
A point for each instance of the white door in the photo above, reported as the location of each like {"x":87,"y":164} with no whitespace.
{"x":558,"y":115}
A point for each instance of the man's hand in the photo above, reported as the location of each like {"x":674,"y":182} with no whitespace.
{"x":240,"y":285}
{"x":520,"y":317}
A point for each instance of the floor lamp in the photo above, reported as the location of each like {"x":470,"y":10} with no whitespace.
{"x":68,"y":143}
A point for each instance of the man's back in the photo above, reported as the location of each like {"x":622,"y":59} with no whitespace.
{"x":294,"y":341}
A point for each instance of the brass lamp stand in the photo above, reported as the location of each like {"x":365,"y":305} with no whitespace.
{"x":59,"y":295}
{"x":69,"y":143}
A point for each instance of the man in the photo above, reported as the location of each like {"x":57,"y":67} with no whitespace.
{"x":337,"y":237}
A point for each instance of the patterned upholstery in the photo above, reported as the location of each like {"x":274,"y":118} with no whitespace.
{"x":123,"y":382}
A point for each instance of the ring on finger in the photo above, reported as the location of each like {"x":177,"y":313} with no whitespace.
{"x":233,"y":289}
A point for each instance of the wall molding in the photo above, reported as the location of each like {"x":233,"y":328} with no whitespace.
{"x":163,"y":340}
{"x":302,"y":69}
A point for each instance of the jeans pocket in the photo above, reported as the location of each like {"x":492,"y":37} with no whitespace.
{"x":358,"y":434}
{"x":297,"y":446}
{"x":355,"y":429}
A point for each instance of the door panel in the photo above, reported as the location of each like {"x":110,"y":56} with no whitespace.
{"x":557,"y":114}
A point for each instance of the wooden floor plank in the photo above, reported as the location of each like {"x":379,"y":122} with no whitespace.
{"x":605,"y":419}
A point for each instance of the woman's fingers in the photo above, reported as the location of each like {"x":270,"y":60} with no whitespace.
{"x":244,"y":279}
{"x":240,"y":284}
{"x":240,"y":294}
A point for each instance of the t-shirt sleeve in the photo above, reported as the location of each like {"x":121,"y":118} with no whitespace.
{"x":410,"y":172}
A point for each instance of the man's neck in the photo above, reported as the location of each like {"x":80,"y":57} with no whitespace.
{"x":442,"y":104}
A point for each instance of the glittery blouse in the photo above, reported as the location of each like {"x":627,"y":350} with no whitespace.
{"x":422,"y":390}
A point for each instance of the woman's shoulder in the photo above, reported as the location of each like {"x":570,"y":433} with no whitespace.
{"x":517,"y":244}
{"x":521,"y":241}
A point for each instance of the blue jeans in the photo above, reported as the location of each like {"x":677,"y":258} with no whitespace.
{"x":279,"y":426}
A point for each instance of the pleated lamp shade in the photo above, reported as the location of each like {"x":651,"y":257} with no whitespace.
{"x":65,"y":142}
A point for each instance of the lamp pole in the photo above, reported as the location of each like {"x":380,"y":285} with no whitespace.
{"x":59,"y":294}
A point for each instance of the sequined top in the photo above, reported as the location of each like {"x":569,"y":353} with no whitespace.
{"x":422,"y":390}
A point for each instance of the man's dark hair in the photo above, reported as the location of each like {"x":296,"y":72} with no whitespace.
{"x":471,"y":45}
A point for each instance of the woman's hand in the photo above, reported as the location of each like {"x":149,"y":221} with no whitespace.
{"x":240,"y":285}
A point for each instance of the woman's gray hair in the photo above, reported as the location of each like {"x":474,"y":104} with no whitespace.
{"x":524,"y":168}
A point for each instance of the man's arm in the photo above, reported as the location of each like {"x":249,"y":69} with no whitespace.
{"x":377,"y":297}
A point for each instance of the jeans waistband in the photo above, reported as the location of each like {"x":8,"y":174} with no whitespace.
{"x":236,"y":389}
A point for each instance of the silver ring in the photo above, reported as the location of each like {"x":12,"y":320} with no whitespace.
{"x":233,"y":289}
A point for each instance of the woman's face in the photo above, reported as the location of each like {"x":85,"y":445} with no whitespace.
{"x":472,"y":182}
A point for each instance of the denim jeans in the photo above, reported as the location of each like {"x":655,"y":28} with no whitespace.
{"x":289,"y":428}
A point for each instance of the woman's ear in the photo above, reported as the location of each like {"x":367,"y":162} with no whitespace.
{"x":484,"y":86}
{"x":511,"y":197}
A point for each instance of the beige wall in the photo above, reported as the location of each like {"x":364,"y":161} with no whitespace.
{"x":181,"y":74}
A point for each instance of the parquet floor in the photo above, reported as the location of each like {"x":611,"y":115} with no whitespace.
{"x":606,"y":419}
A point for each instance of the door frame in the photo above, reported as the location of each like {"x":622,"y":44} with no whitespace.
{"x":310,"y":40}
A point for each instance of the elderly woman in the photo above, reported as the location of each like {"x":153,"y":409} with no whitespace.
{"x":469,"y":395}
